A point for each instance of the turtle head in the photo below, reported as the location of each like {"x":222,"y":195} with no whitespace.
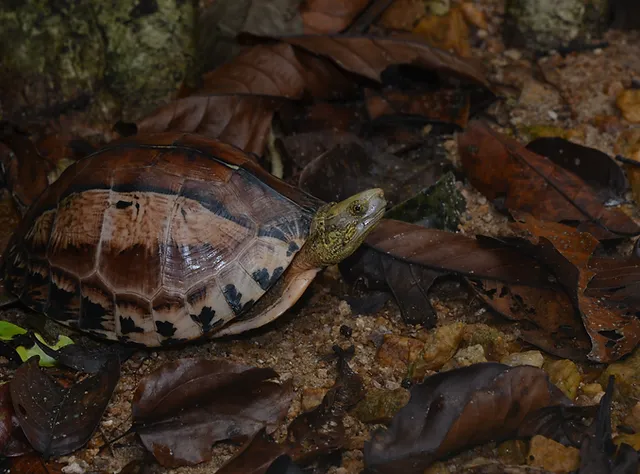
{"x":338,"y":229}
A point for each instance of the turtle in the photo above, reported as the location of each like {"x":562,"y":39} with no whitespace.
{"x":169,"y":238}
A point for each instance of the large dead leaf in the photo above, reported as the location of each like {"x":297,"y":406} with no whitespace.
{"x":243,"y":121}
{"x":186,"y":406}
{"x":448,"y":32}
{"x":614,"y":330}
{"x":58,"y":420}
{"x":616,"y":279}
{"x":370,"y":56}
{"x":454,"y":410}
{"x":329,"y":16}
{"x":598,"y":169}
{"x":456,"y":253}
{"x":311,"y":434}
{"x":278,"y":70}
{"x":518,"y":179}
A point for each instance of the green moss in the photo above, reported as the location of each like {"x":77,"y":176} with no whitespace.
{"x":56,"y":54}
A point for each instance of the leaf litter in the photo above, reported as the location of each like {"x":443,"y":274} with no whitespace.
{"x":573,"y":301}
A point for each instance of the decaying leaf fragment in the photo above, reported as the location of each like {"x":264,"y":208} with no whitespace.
{"x":614,"y":329}
{"x":186,"y":406}
{"x":520,"y":180}
{"x":58,"y":420}
{"x":311,"y":434}
{"x":454,"y":410}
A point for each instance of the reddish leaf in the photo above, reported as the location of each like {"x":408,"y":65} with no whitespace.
{"x":446,"y":106}
{"x":243,"y":121}
{"x":369,"y":56}
{"x":614,"y":330}
{"x":33,"y":464}
{"x":598,"y":169}
{"x":329,"y":16}
{"x":501,"y":168}
{"x":186,"y":406}
{"x":458,"y":409}
{"x":455,"y":253}
{"x":41,"y":404}
{"x":617,"y":280}
{"x":557,"y":328}
{"x":278,"y":70}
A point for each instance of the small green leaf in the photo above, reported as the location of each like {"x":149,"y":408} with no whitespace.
{"x":9,"y":330}
{"x":45,"y":360}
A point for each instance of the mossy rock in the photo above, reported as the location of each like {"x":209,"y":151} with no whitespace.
{"x":542,"y":25}
{"x":58,"y":55}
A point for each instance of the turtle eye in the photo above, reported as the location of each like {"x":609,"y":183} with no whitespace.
{"x":357,"y":209}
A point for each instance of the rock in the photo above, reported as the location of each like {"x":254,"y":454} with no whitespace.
{"x":465,"y":357}
{"x":627,"y":375}
{"x":62,"y":55}
{"x":552,"y":456}
{"x":633,"y":418}
{"x":551,"y":24}
{"x":565,"y":375}
{"x":632,"y":440}
{"x":628,"y":102}
{"x":496,"y":343}
{"x":398,"y":351}
{"x":533,"y":358}
{"x":441,"y":344}
{"x":379,"y":406}
{"x":513,"y":451}
{"x":312,"y":397}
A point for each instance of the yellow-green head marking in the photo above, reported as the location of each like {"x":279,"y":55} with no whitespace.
{"x":338,"y":229}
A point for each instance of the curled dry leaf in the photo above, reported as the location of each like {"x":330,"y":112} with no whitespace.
{"x":502,"y":169}
{"x":58,"y":420}
{"x":243,"y":121}
{"x":596,"y":168}
{"x":311,"y":434}
{"x":370,"y":56}
{"x":614,"y":329}
{"x":186,"y":406}
{"x":34,"y":464}
{"x":458,"y":409}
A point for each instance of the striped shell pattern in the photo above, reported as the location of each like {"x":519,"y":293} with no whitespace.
{"x":156,"y":240}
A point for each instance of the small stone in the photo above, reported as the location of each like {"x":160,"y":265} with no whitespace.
{"x":496,"y":343}
{"x":627,"y":375}
{"x":346,"y":331}
{"x":379,"y":406}
{"x":534,"y":358}
{"x":552,"y":115}
{"x":398,"y":351}
{"x":513,"y":54}
{"x":474,"y":16}
{"x":513,"y":451}
{"x":632,"y":440}
{"x":74,"y":468}
{"x":628,"y":102}
{"x":437,"y":468}
{"x":565,"y":375}
{"x":344,"y":309}
{"x":552,"y":456}
{"x":311,"y":398}
{"x":633,"y":418}
{"x":440,"y":345}
{"x":465,"y":357}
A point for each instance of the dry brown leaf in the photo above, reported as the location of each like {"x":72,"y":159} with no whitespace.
{"x":449,"y":32}
{"x":243,"y":121}
{"x":329,"y":16}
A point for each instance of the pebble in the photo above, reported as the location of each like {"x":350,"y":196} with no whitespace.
{"x":628,"y":102}
{"x":534,"y":358}
{"x":552,"y":456}
{"x":73,"y":468}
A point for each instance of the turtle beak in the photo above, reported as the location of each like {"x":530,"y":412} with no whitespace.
{"x":377,"y":204}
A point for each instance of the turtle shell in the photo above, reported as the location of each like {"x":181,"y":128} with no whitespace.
{"x":156,"y":239}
